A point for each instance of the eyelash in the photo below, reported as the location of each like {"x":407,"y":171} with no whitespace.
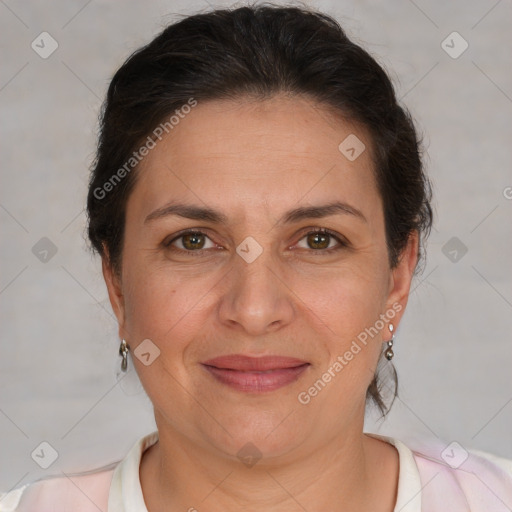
{"x":342,"y":244}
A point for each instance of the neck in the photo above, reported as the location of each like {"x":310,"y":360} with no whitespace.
{"x":344,"y":473}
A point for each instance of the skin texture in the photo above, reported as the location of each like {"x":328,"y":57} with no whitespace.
{"x":253,"y":161}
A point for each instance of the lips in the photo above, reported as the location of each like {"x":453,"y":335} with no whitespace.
{"x":243,"y":363}
{"x":255,"y":374}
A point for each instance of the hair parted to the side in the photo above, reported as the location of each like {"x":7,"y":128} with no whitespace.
{"x":258,"y":51}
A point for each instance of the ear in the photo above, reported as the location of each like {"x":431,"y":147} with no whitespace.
{"x":115,"y":292}
{"x":401,"y":277}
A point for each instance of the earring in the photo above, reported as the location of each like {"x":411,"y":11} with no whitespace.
{"x":389,"y":351}
{"x":123,"y":352}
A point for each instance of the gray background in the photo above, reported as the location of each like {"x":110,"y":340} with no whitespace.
{"x":58,"y":336}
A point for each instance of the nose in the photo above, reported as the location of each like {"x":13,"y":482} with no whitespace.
{"x":256,"y":299}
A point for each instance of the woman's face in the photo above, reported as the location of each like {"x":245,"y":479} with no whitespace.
{"x":257,"y":280}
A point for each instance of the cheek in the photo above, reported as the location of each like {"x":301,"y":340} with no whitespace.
{"x":346,"y":299}
{"x":164,"y":305}
{"x":345,"y":316}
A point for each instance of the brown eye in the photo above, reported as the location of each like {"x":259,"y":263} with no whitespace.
{"x":318,"y":240}
{"x":321,"y":240}
{"x":191,"y":241}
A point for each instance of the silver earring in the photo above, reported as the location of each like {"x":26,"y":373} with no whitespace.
{"x":123,"y":352}
{"x":389,"y":351}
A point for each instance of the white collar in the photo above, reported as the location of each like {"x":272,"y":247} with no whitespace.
{"x":126,"y":492}
{"x":408,"y":497}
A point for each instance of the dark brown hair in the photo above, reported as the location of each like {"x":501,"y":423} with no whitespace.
{"x":256,"y":51}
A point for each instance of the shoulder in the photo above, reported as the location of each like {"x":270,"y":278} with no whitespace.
{"x":442,"y":476}
{"x":81,"y":492}
{"x":480,"y":480}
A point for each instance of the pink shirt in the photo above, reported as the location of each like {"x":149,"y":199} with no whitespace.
{"x":434,"y":478}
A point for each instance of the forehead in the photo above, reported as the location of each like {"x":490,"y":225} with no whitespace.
{"x":283,"y":150}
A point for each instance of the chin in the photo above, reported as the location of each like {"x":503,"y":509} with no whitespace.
{"x":258,"y":434}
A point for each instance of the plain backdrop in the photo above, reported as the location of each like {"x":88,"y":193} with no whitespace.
{"x":59,"y":341}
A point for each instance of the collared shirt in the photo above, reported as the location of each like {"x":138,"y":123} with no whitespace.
{"x":437,"y":478}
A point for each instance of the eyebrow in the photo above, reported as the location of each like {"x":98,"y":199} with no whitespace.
{"x":208,"y":214}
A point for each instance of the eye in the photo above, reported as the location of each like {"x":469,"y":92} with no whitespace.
{"x":322,"y":240}
{"x":319,"y":240}
{"x":190,"y":241}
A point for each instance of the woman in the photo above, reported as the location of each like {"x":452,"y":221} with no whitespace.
{"x":259,"y":204}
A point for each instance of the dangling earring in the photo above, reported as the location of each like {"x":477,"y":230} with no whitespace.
{"x":389,"y":351}
{"x":123,"y":352}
